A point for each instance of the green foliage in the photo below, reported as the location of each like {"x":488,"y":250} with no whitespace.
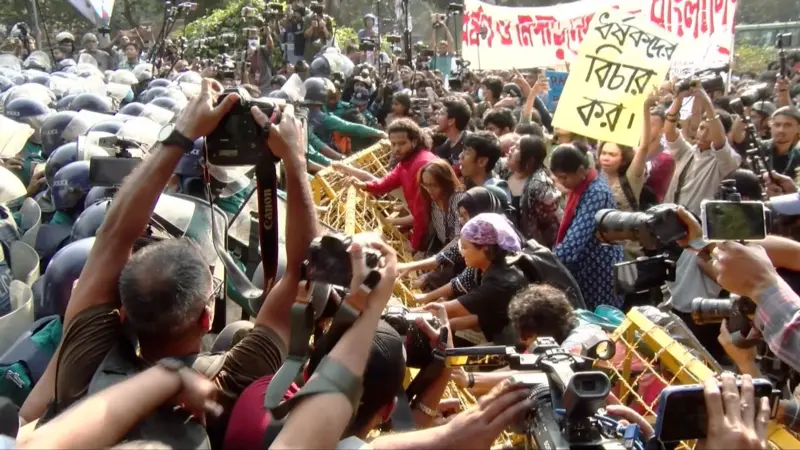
{"x":749,"y":58}
{"x":344,"y":36}
{"x":766,"y":11}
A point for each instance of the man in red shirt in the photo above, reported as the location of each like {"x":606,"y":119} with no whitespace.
{"x":413,"y":153}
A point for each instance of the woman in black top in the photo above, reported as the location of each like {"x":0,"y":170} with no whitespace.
{"x":448,"y":264}
{"x":486,"y":240}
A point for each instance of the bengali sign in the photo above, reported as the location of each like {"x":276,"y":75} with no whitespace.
{"x":622,"y":59}
{"x":551,"y":36}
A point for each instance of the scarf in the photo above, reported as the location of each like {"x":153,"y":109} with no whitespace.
{"x":491,"y":229}
{"x":573,"y":200}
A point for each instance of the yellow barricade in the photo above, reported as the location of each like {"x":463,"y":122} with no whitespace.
{"x":652,"y":358}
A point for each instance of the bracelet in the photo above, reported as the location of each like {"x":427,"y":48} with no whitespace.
{"x":470,"y":380}
{"x":427,"y":411}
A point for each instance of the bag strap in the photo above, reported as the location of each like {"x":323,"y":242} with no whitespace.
{"x":682,"y":179}
{"x":627,"y":190}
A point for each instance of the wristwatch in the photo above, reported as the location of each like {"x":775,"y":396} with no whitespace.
{"x":170,"y":136}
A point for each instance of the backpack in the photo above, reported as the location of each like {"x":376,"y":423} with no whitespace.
{"x":540,"y":265}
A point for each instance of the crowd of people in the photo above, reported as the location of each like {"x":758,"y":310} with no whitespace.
{"x":117,"y":356}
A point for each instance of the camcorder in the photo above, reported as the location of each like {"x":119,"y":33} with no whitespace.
{"x":329,"y":262}
{"x":560,"y":381}
{"x":238,"y":140}
{"x":455,"y":8}
{"x":418,"y":346}
{"x":317,"y":8}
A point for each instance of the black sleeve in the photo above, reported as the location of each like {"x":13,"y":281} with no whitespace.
{"x":547,"y":119}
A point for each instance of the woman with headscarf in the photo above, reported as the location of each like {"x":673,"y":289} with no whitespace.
{"x":590,"y":261}
{"x":448,"y":264}
{"x":486,"y":240}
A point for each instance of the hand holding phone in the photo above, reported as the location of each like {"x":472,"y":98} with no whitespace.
{"x":724,"y":414}
{"x":733,"y":221}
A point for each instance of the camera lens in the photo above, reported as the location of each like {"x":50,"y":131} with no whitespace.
{"x":711,"y":310}
{"x":615,"y":226}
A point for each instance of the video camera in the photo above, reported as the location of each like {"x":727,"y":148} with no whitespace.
{"x":437,"y":20}
{"x":316,"y":8}
{"x":272,"y":12}
{"x":393,"y":38}
{"x":567,"y":384}
{"x":366,"y":45}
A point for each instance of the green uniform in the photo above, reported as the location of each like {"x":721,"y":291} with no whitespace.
{"x":31,"y":156}
{"x":339,"y":109}
{"x":62,"y":218}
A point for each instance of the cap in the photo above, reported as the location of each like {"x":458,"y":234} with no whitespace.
{"x":764,"y":107}
{"x":787,"y":205}
{"x":360,"y":97}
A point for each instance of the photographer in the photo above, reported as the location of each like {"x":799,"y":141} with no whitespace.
{"x":699,"y":168}
{"x":294,"y":34}
{"x":317,"y":31}
{"x":102,"y":58}
{"x":165,"y":291}
{"x":261,"y":62}
{"x":783,"y":149}
{"x":445,"y":51}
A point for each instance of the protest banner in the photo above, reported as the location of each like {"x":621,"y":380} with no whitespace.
{"x":556,"y":80}
{"x":551,"y":36}
{"x":622,"y":59}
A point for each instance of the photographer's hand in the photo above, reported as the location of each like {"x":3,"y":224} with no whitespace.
{"x":734,"y":420}
{"x":778,"y":184}
{"x":744,"y":270}
{"x":201,"y":116}
{"x":284,"y":140}
{"x":433,"y":334}
{"x":744,"y":358}
{"x":630,"y":416}
{"x":693,"y":228}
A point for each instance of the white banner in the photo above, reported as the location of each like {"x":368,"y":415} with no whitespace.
{"x":550,"y":36}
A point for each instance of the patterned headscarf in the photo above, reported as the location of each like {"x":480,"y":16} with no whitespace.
{"x":491,"y":229}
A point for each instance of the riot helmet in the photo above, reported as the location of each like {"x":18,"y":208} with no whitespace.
{"x":98,"y":194}
{"x":158,"y":82}
{"x":167,"y":103}
{"x":65,"y":267}
{"x":317,"y":90}
{"x":63,"y":104}
{"x":91,"y":102}
{"x":29,"y":111}
{"x":132,"y":109}
{"x":87,"y":224}
{"x":70,"y":186}
{"x":320,"y":67}
{"x":106,"y":126}
{"x":53,"y":130}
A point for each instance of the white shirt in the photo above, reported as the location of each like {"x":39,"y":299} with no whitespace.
{"x":706,"y":172}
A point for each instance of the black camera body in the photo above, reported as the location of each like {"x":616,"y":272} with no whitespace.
{"x":709,"y":82}
{"x":393,"y":38}
{"x":329,"y":262}
{"x":366,"y":45}
{"x":418,"y":347}
{"x":316,"y":8}
{"x":238,"y":140}
{"x":654,"y":229}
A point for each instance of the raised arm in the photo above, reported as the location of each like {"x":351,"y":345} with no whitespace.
{"x":639,"y":161}
{"x":124,"y":222}
{"x":286,"y":141}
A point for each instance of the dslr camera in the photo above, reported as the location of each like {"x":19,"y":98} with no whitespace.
{"x":329,"y":262}
{"x":366,"y":45}
{"x":755,"y":93}
{"x":418,"y":346}
{"x":393,"y":38}
{"x":709,"y":82}
{"x":654,"y":229}
{"x":316,"y":8}
{"x":274,"y":11}
{"x":238,"y":140}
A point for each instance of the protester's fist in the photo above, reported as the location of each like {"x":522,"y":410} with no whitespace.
{"x":743,"y":269}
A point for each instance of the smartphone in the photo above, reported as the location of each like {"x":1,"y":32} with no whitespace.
{"x":108,"y":171}
{"x":733,"y":221}
{"x":682,"y":410}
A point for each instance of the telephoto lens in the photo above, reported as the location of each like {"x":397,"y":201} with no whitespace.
{"x":614,"y":225}
{"x":711,"y":310}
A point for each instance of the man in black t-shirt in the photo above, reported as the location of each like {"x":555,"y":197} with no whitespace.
{"x":453,"y":120}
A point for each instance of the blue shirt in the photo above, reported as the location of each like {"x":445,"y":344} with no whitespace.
{"x":443,"y":63}
{"x":590,"y":261}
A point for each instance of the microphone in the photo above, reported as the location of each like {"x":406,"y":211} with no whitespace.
{"x":9,"y":418}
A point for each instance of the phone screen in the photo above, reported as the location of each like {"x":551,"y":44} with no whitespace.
{"x":682,"y":411}
{"x":110,"y":171}
{"x":733,"y":221}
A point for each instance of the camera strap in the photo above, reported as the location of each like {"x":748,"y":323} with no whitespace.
{"x":627,"y":190}
{"x":682,"y":179}
{"x":429,"y":373}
